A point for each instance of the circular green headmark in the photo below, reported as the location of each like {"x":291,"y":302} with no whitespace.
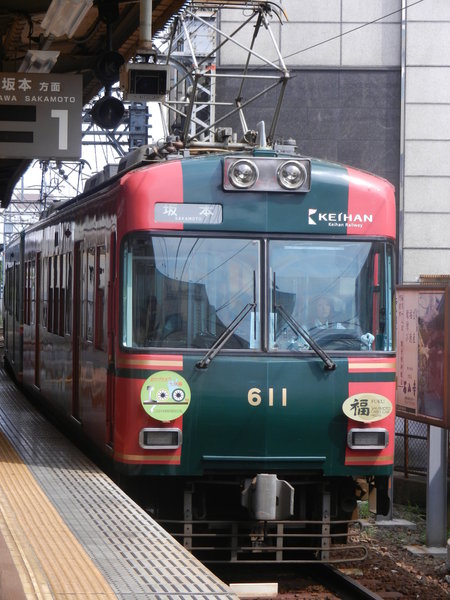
{"x":165,"y":395}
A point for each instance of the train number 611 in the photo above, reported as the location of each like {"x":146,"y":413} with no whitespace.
{"x":254,"y":397}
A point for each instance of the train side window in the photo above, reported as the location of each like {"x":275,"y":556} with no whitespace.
{"x":45,"y":292}
{"x":90,"y":294}
{"x":100,"y":312}
{"x":11,"y":286}
{"x":9,"y":291}
{"x":68,"y":293}
{"x":62,"y":293}
{"x":17,"y":291}
{"x":382,"y":299}
{"x":28,"y":286}
{"x":6,"y":290}
{"x":26,"y":294}
{"x":32,"y":292}
{"x":50,"y":294}
{"x":55,"y":283}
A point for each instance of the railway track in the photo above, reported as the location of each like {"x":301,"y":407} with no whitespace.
{"x":344,"y":586}
{"x":312,"y":582}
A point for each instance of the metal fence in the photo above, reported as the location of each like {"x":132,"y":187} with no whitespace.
{"x":411,"y":447}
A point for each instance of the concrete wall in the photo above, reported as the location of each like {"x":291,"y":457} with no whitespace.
{"x":371,"y":88}
{"x":327,"y":33}
{"x":347,"y":116}
{"x":343,"y":100}
{"x":425,"y":197}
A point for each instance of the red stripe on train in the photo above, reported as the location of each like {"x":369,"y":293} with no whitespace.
{"x":142,"y":189}
{"x":371,"y":365}
{"x":368,"y":210}
{"x":153,"y":362}
{"x":129,"y":419}
{"x":373,"y":457}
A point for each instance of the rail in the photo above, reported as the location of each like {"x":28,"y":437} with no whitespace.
{"x":343,"y":585}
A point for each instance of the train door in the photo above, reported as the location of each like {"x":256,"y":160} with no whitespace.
{"x":76,"y":331}
{"x":37,"y":318}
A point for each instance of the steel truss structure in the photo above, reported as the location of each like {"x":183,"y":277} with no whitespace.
{"x":193,"y":91}
{"x":189,"y":45}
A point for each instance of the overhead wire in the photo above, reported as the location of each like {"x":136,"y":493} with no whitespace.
{"x":335,"y":37}
{"x":341,"y":35}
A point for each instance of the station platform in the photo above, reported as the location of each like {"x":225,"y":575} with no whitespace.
{"x":68,"y":532}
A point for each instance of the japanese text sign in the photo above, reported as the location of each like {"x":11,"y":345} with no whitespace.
{"x":40,"y":115}
{"x":423,"y":347}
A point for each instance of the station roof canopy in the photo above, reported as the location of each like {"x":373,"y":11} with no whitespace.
{"x":105,"y":25}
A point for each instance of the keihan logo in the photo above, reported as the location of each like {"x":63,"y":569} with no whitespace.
{"x":338,"y":219}
{"x":311,"y":212}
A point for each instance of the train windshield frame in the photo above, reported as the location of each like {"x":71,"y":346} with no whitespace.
{"x":182,"y":291}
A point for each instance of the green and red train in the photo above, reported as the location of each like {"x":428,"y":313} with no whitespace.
{"x":170,"y":314}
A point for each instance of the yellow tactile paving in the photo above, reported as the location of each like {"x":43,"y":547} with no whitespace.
{"x":51,"y":563}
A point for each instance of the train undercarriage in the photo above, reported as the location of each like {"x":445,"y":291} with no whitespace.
{"x":222,"y":520}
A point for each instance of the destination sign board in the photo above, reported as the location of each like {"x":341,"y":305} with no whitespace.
{"x":40,"y":115}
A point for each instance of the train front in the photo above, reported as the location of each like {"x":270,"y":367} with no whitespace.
{"x":255,"y":372}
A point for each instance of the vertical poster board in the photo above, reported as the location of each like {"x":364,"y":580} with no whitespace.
{"x":423,"y":353}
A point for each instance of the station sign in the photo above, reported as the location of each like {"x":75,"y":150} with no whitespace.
{"x":40,"y":115}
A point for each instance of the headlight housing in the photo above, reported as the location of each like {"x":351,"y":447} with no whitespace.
{"x":266,"y":174}
{"x":159,"y":438}
{"x":370,"y":438}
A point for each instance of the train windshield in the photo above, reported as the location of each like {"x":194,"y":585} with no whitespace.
{"x":340,"y":292}
{"x":184,"y":292}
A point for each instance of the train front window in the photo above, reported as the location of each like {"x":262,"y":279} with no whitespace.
{"x":183,"y":292}
{"x":340,"y":292}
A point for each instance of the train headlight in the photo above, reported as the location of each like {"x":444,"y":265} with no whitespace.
{"x":291,"y":175}
{"x":367,"y":439}
{"x":243,"y":174}
{"x":160,"y":438}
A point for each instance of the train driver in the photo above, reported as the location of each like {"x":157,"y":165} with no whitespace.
{"x":323,"y":318}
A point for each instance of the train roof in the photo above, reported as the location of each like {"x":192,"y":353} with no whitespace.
{"x":361,"y":183}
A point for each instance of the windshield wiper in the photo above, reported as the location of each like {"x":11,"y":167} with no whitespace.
{"x":330,"y":365}
{"x":222,"y":340}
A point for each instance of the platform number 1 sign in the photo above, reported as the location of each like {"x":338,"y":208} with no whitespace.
{"x":63,"y":127}
{"x":40,"y":115}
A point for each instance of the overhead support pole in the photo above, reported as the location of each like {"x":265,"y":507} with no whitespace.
{"x":145,"y":27}
{"x":238,"y":100}
{"x":436,"y":533}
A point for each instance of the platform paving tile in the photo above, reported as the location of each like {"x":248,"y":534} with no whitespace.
{"x":137,"y":557}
